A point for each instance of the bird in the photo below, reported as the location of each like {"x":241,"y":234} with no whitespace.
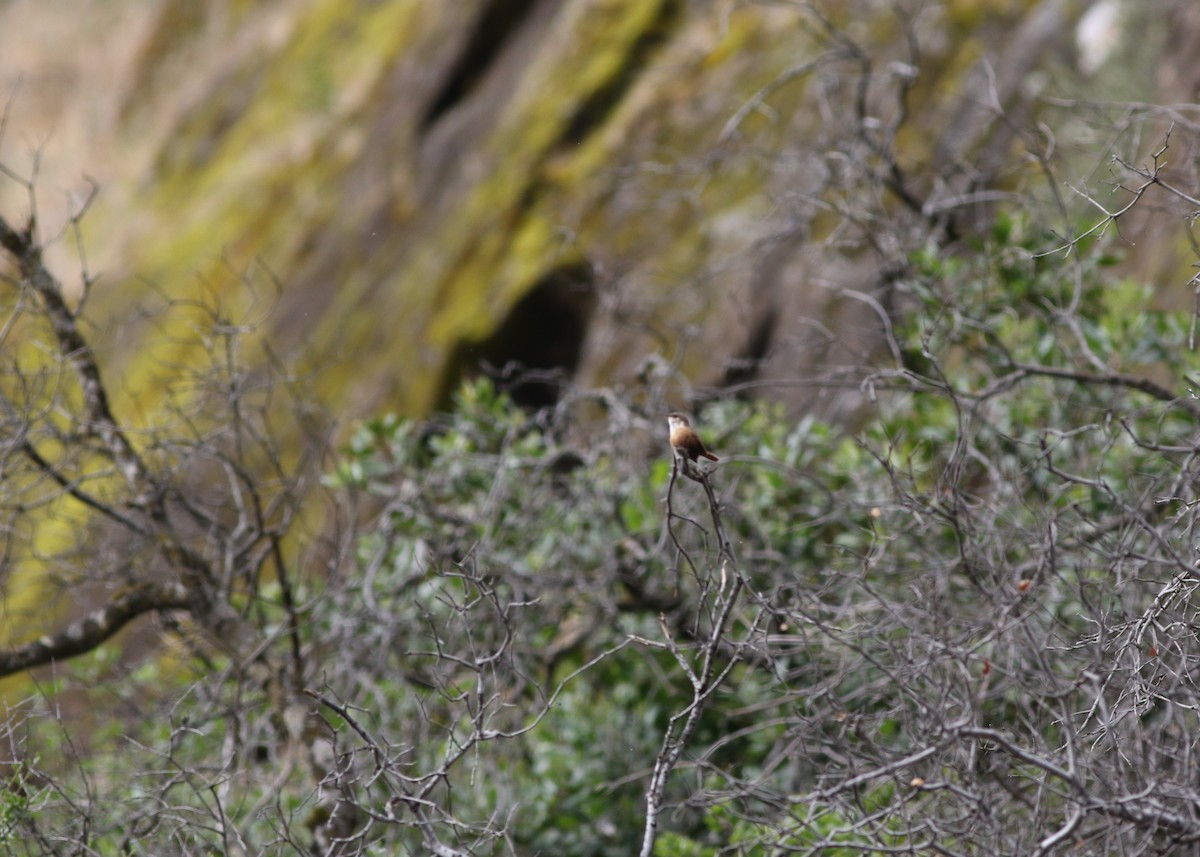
{"x":684,"y":441}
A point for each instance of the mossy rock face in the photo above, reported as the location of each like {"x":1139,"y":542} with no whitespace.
{"x":413,"y":173}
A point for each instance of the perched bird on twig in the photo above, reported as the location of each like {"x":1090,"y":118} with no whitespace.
{"x":685,"y":443}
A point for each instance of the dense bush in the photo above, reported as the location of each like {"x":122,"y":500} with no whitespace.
{"x":965,"y":625}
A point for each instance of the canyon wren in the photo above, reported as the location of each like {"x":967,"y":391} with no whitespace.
{"x":684,"y":441}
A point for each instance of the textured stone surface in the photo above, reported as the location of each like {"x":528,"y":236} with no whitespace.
{"x":410,"y":172}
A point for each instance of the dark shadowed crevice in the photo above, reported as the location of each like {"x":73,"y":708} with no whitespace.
{"x":744,"y":366}
{"x":593,"y":112}
{"x":499,"y":20}
{"x":536,"y":350}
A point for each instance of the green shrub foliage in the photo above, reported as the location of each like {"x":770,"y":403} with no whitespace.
{"x":963,"y":623}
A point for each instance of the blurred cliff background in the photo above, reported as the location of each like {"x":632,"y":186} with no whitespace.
{"x":571,"y":187}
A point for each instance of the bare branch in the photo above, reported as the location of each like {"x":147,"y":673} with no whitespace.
{"x":97,"y":627}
